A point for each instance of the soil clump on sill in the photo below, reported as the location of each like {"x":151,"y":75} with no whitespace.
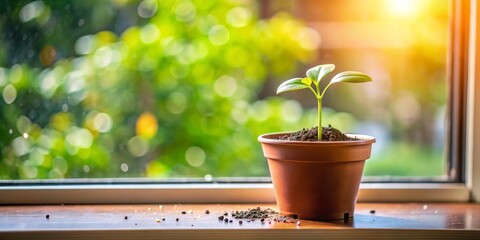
{"x":310,"y":135}
{"x":264,"y":215}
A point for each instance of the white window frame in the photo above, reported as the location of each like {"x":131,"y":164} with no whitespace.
{"x":263,"y":192}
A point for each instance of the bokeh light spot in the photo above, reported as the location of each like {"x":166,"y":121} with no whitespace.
{"x":185,"y":11}
{"x":176,"y":103}
{"x":102,"y":122}
{"x":103,"y":56}
{"x":147,"y":8}
{"x":16,"y":74}
{"x":137,"y":146}
{"x":23,"y":124}
{"x":61,"y":121}
{"x":79,"y":137}
{"x":84,"y":45}
{"x":47,"y":55}
{"x":45,"y":142}
{"x":309,"y":38}
{"x":195,"y":156}
{"x":149,"y":33}
{"x":225,"y":86}
{"x":260,"y":111}
{"x":28,"y":171}
{"x":239,"y":16}
{"x":75,"y":82}
{"x":20,"y":146}
{"x":218,"y":35}
{"x":3,"y":76}
{"x":9,"y":94}
{"x":61,"y":165}
{"x":147,"y":125}
{"x":31,"y":11}
{"x":48,"y":83}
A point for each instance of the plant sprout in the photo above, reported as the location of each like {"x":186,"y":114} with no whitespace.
{"x":315,"y":75}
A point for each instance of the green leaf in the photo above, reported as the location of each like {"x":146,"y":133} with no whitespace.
{"x":293,"y":84}
{"x":351,"y":77}
{"x":320,"y":71}
{"x":307,"y":81}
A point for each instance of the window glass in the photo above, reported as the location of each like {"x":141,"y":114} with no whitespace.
{"x":159,"y":89}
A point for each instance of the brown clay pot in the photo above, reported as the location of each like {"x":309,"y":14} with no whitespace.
{"x":316,"y":180}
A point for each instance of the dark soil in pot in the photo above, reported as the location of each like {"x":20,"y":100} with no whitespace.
{"x":310,"y":135}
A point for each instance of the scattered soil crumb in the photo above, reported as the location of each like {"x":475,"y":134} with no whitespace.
{"x":258,"y":214}
{"x":310,"y":135}
{"x":255,"y":213}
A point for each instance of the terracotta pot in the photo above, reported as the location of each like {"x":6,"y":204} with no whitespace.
{"x":316,"y":180}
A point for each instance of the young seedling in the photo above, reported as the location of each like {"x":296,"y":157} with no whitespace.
{"x":314,"y":76}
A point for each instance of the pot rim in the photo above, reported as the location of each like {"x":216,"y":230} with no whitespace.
{"x":271,"y":139}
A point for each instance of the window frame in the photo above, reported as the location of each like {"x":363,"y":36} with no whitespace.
{"x":464,"y":129}
{"x":473,"y":107}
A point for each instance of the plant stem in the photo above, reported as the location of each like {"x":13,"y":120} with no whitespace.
{"x":319,"y":136}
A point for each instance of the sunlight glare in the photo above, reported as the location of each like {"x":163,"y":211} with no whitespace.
{"x":403,"y":8}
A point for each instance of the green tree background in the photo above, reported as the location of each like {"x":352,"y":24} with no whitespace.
{"x":182,"y":88}
{"x":174,"y":94}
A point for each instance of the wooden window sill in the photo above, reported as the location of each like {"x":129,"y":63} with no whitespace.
{"x":145,"y":221}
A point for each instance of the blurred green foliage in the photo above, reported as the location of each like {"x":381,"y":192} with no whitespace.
{"x":181,"y":88}
{"x":176,"y":96}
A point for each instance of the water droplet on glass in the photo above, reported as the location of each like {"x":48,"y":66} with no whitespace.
{"x":124,"y":167}
{"x":208,"y":177}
